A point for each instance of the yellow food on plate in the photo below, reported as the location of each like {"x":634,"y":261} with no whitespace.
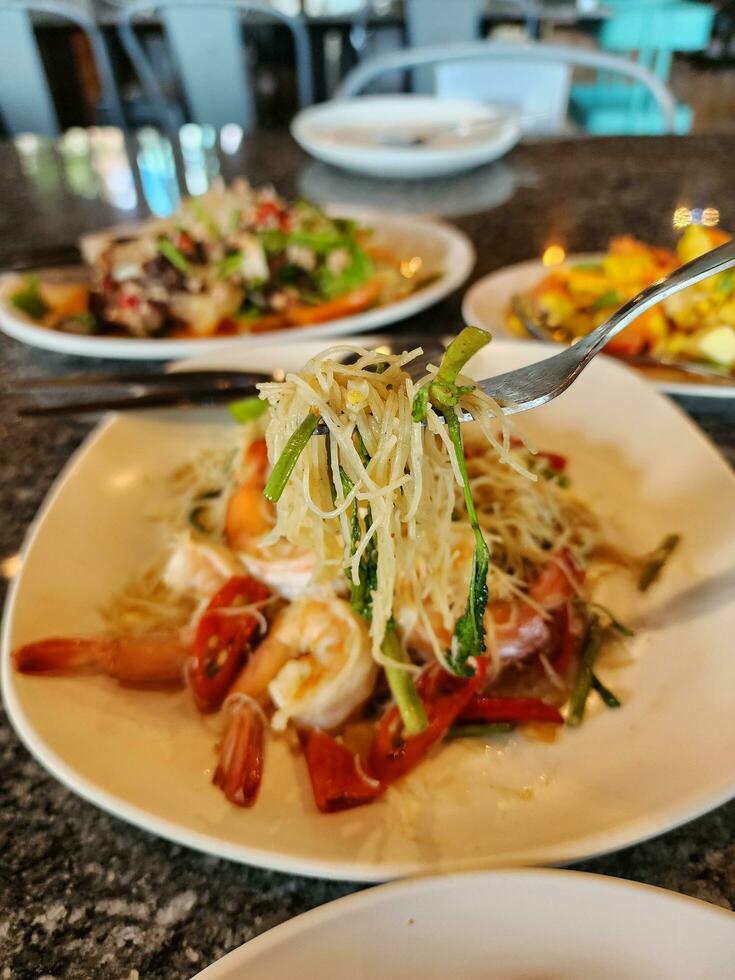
{"x":697,"y":324}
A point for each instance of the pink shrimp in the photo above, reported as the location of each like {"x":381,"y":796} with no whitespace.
{"x":147,"y":660}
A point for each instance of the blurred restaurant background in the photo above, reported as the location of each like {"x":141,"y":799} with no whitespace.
{"x":131,"y":64}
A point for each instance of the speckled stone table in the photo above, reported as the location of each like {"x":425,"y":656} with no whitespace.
{"x":83,"y":895}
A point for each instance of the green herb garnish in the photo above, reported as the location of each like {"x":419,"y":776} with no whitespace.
{"x":247,"y":409}
{"x":229,"y":265}
{"x":480,"y":729}
{"x":444,"y":394}
{"x":607,"y":299}
{"x":656,"y":561}
{"x":28,"y":298}
{"x":289,"y":457}
{"x":583,"y":681}
{"x":177,"y":258}
{"x":608,"y":698}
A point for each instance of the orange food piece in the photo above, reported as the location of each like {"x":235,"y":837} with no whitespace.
{"x":66,"y":299}
{"x":352,"y":302}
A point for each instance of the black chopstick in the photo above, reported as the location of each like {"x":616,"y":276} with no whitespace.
{"x":201,"y":396}
{"x":168,"y":379}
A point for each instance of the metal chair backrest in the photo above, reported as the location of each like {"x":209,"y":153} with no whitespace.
{"x":493,"y":52}
{"x":26,"y":104}
{"x":211,"y":60}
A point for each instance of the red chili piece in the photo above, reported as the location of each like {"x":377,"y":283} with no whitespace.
{"x":223,"y":640}
{"x":338,"y":779}
{"x":444,"y":696}
{"x":516,"y":710}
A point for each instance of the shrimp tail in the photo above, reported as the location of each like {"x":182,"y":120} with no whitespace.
{"x":65,"y":655}
{"x":240,"y":767}
{"x":148,"y":659}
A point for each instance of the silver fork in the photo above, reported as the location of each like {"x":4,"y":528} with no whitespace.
{"x":536,"y":384}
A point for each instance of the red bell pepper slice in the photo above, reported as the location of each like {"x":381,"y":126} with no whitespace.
{"x":516,"y":710}
{"x":444,"y":697}
{"x":223,"y":640}
{"x":338,"y":779}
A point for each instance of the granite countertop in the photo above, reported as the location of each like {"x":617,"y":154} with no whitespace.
{"x":84,"y":895}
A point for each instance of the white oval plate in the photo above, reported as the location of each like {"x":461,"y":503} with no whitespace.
{"x":441,"y":246}
{"x":625,"y":775}
{"x":486,"y":301}
{"x":347,"y":133}
{"x":512,"y":925}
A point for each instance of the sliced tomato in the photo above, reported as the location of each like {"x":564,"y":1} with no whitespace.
{"x":338,"y":778}
{"x":443,"y":696}
{"x":223,"y":640}
{"x":517,"y":710}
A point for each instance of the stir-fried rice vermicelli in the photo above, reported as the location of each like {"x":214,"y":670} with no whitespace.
{"x":407,"y":474}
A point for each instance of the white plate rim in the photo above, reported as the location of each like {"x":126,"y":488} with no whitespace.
{"x":368,"y":898}
{"x":535,"y":267}
{"x":461,"y":259}
{"x":561,"y":853}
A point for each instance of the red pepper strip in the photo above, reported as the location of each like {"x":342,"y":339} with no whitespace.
{"x":223,"y":640}
{"x":517,"y":710}
{"x":571,"y":631}
{"x":240,"y":768}
{"x":444,"y":697}
{"x":338,"y":780}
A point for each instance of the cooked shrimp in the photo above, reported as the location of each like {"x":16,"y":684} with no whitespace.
{"x":250,"y":517}
{"x":314,"y":665}
{"x":199,"y":566}
{"x":513,"y":628}
{"x":147,"y":659}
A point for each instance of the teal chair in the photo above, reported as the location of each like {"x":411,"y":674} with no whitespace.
{"x":649,"y":31}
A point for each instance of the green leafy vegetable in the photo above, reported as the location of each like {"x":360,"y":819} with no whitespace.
{"x":289,"y":457}
{"x":656,"y":561}
{"x":480,"y":729}
{"x":229,"y":265}
{"x":359,"y":270}
{"x":583,"y":680}
{"x":177,"y":259}
{"x":445,"y":394}
{"x":402,"y":685}
{"x":205,"y":217}
{"x":608,"y":698}
{"x":726,"y":282}
{"x":247,"y":409}
{"x":28,"y":298}
{"x":81,"y":323}
{"x":607,"y":299}
{"x":420,"y":404}
{"x":611,"y":618}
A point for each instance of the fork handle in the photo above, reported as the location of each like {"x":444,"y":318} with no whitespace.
{"x":709,"y":264}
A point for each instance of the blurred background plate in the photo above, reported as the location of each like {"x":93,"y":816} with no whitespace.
{"x":486,"y":304}
{"x":442,"y":249}
{"x":372,"y":134}
{"x":515,"y":925}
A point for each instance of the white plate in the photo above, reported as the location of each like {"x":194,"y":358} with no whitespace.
{"x":625,"y":775}
{"x":441,"y":246}
{"x":348,"y":134}
{"x":514,"y":925}
{"x":486,"y":302}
